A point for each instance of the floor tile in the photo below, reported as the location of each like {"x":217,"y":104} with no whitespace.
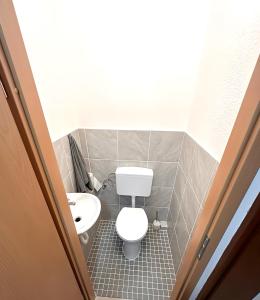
{"x":150,"y":276}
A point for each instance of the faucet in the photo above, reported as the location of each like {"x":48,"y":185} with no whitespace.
{"x":71,"y":202}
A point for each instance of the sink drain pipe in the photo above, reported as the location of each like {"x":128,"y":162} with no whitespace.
{"x":84,"y":238}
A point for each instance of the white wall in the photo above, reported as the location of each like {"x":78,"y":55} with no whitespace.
{"x":229,"y":57}
{"x":169,"y":65}
{"x":114,"y":64}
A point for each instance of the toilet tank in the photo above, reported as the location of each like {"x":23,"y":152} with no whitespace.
{"x":134,"y":181}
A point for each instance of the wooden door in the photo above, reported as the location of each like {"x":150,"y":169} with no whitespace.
{"x":33,"y":263}
{"x":236,"y":171}
{"x":241,"y":280}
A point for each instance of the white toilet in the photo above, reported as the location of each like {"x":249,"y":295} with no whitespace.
{"x":132,"y":222}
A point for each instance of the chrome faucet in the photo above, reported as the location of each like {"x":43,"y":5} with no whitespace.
{"x":71,"y":202}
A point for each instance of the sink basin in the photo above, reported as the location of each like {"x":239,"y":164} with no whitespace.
{"x":85,"y":212}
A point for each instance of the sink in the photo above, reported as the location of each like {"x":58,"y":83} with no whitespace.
{"x":85,"y":212}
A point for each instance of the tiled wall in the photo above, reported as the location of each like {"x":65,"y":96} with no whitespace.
{"x":196,"y":170}
{"x":63,"y":155}
{"x":182,"y":169}
{"x":105,"y":150}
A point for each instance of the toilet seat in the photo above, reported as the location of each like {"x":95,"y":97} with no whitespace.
{"x":132,"y":223}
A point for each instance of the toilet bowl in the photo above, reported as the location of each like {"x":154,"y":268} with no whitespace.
{"x":131,"y":227}
{"x":132,"y":222}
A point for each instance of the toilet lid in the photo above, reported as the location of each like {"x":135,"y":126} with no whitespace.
{"x":131,"y":223}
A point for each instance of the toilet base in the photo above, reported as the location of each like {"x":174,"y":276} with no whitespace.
{"x":131,"y":250}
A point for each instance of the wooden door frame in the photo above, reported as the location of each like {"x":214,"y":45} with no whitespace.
{"x":236,"y":170}
{"x":24,"y":103}
{"x":236,"y":247}
{"x":25,"y":106}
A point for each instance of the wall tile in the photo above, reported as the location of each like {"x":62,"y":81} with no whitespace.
{"x":175,"y":251}
{"x":192,"y":181}
{"x":190,"y":207}
{"x":108,"y":196}
{"x":83,"y":143}
{"x":180,"y":183}
{"x":163,"y":173}
{"x":165,"y":146}
{"x":75,"y":134}
{"x":195,"y":163}
{"x":68,"y":184}
{"x":187,"y":151}
{"x":68,"y":152}
{"x":61,"y":157}
{"x":174,"y":208}
{"x":132,"y":163}
{"x":92,"y":233}
{"x":151,"y":213}
{"x":57,"y":144}
{"x":102,"y":168}
{"x":73,"y":182}
{"x":160,"y":197}
{"x":201,"y":171}
{"x":109,"y":212}
{"x":170,"y":223}
{"x":127,"y":201}
{"x":133,"y":145}
{"x":102,"y":144}
{"x":181,"y":232}
{"x":87,"y":162}
{"x":215,"y":168}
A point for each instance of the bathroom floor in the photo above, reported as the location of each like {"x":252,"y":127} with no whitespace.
{"x":150,"y":277}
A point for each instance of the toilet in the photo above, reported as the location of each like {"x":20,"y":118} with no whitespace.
{"x":132,"y":222}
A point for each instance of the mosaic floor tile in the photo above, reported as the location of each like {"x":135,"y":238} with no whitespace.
{"x":150,"y":277}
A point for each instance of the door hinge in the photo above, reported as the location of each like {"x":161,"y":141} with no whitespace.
{"x":3,"y":88}
{"x":203,"y":247}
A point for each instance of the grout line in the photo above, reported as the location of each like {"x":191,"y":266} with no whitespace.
{"x":157,"y":206}
{"x":71,"y":181}
{"x":163,"y":162}
{"x":86,"y":140}
{"x":114,"y":290}
{"x":191,"y":185}
{"x":69,"y":174}
{"x":179,"y":205}
{"x":175,"y":175}
{"x":190,"y":233}
{"x":181,"y":146}
{"x":192,"y":159}
{"x":177,"y":242}
{"x":117,"y":153}
{"x":117,"y":161}
{"x":185,"y":225}
{"x":66,"y":176}
{"x":177,"y":216}
{"x":138,"y":161}
{"x":189,"y":238}
{"x":85,"y":135}
{"x":173,"y":190}
{"x":161,"y":187}
{"x":64,"y":153}
{"x":77,"y":133}
{"x":149,"y":145}
{"x":213,"y":173}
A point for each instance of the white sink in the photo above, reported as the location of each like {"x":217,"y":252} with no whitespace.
{"x":85,"y":212}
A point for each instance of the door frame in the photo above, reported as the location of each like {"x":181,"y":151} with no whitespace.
{"x":25,"y":106}
{"x":24,"y":103}
{"x":238,"y":166}
{"x":231,"y":254}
